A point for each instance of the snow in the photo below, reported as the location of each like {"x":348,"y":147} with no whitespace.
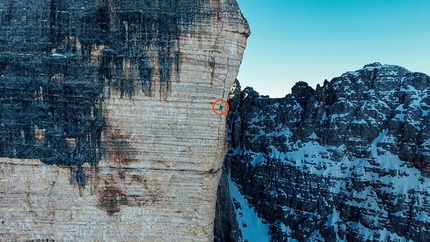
{"x":257,"y":160}
{"x":313,"y":136}
{"x":423,"y":217}
{"x":333,"y":218}
{"x":316,"y":159}
{"x":256,"y":136}
{"x":286,"y":229}
{"x":251,"y":226}
{"x":361,"y":121}
{"x":399,"y":214}
{"x":426,"y":143}
{"x":58,"y":55}
{"x":286,"y":132}
{"x":255,"y":120}
{"x":400,"y":108}
{"x":324,"y":116}
{"x":338,"y":115}
{"x":400,"y":116}
{"x":353,"y":73}
{"x":298,"y":107}
{"x":237,"y":151}
{"x":367,"y":234}
{"x":376,"y":141}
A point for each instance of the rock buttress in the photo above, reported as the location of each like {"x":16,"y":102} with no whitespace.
{"x":106,"y":129}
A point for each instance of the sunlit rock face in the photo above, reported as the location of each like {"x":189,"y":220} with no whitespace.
{"x":348,"y":161}
{"x":106,"y":127}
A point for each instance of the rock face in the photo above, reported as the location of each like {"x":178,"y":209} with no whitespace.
{"x":348,"y":161}
{"x":106,"y":127}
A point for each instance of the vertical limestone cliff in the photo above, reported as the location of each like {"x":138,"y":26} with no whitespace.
{"x":106,"y":126}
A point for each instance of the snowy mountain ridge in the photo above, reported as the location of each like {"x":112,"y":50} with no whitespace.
{"x":348,"y":161}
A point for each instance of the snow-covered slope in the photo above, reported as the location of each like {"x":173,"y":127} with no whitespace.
{"x":349,"y":161}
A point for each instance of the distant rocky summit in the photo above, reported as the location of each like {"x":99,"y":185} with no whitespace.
{"x":347,"y":161}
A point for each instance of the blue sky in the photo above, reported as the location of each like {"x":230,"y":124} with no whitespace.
{"x":313,"y":40}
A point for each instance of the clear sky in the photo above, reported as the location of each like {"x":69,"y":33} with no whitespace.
{"x":313,"y":40}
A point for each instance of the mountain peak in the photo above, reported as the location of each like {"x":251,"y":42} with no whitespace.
{"x":374,"y":64}
{"x":347,"y":161}
{"x":384,"y":69}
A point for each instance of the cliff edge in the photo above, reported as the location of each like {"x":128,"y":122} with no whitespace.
{"x":106,"y":127}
